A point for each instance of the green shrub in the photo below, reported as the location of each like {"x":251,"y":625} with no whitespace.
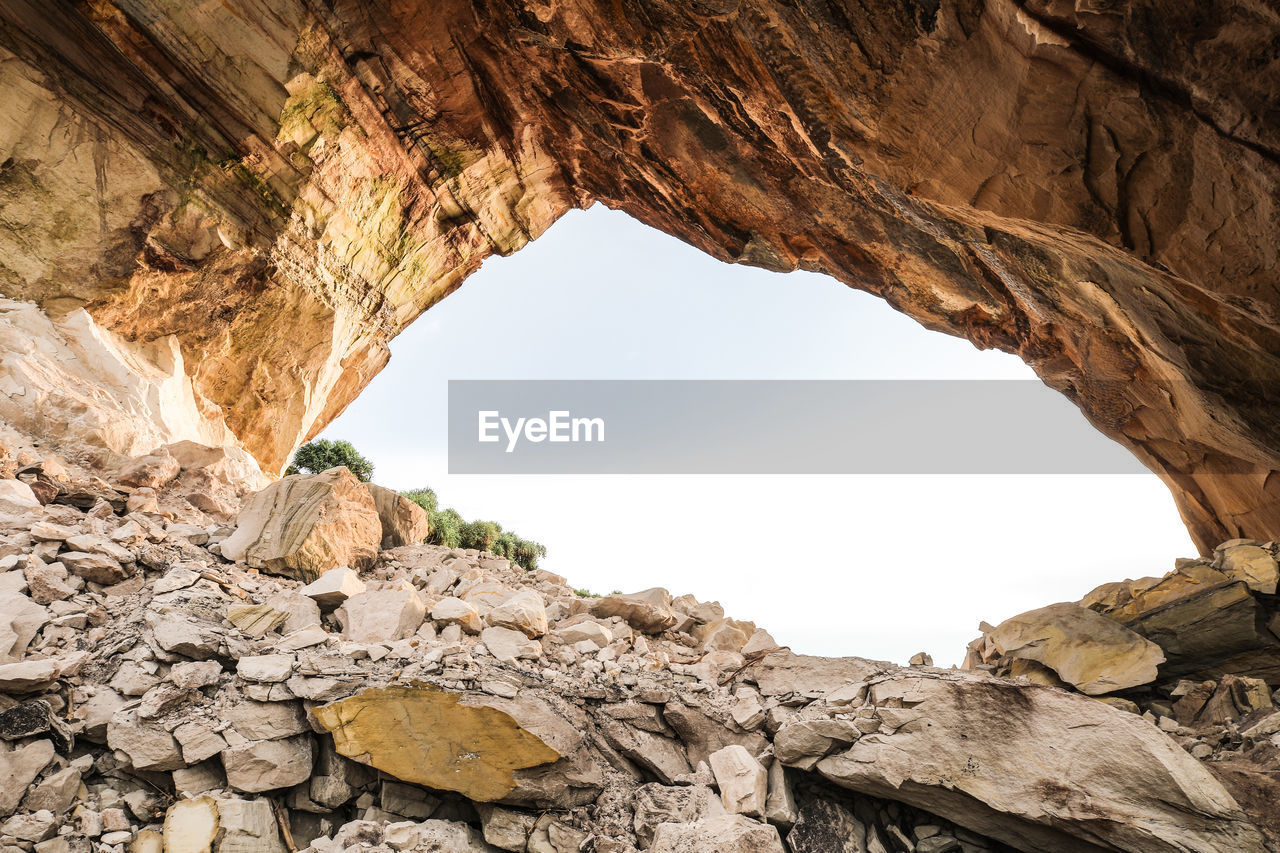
{"x":586,"y":593}
{"x":451,"y":530}
{"x":425,"y":498}
{"x":446,"y":528}
{"x":480,"y":534}
{"x":322,"y":454}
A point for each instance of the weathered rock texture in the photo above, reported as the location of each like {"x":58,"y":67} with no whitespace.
{"x":171,"y":695}
{"x":248,"y":200}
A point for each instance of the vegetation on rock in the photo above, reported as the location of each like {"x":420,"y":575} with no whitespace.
{"x":450,"y":529}
{"x":320,"y":455}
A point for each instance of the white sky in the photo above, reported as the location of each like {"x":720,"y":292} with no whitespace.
{"x":875,"y":566}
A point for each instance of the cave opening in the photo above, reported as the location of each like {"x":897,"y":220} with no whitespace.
{"x":876,"y":565}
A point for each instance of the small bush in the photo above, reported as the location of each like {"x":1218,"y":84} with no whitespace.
{"x":425,"y":498}
{"x":446,"y":528}
{"x":480,"y":535}
{"x":322,"y":454}
{"x":451,"y":530}
{"x":586,"y":593}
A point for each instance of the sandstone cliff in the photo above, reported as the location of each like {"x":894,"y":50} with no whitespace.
{"x":235,"y":206}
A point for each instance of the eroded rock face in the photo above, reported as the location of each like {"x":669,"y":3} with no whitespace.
{"x":277,"y":190}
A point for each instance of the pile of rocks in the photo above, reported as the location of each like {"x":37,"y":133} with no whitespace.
{"x":287,"y":682}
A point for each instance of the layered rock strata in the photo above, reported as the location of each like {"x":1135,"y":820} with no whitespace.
{"x":238,"y":205}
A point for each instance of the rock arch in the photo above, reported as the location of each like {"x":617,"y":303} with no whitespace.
{"x":242,"y":203}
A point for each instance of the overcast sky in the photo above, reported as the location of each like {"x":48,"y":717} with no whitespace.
{"x":875,"y":566}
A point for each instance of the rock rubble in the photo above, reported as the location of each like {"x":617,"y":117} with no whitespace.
{"x":177,"y":694}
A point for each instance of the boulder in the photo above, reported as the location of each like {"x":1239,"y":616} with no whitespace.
{"x":382,"y":616}
{"x":743,"y":781}
{"x":268,"y":668}
{"x":427,"y":737}
{"x":589,"y":632}
{"x":442,"y":835}
{"x":1095,"y":654}
{"x":97,"y":568}
{"x":524,"y":611}
{"x":149,"y":747}
{"x":306,"y":524}
{"x":455,"y":611}
{"x":247,"y":826}
{"x":266,"y":765}
{"x":150,"y":472}
{"x":725,"y":834}
{"x":20,"y":620}
{"x":28,"y":675}
{"x":334,"y":587}
{"x":658,"y":804}
{"x":20,"y":764}
{"x":17,"y":492}
{"x":403,"y":521}
{"x":987,"y":754}
{"x":664,"y":757}
{"x":507,"y":645}
{"x":648,"y":612}
{"x":1251,"y":564}
{"x":190,"y":826}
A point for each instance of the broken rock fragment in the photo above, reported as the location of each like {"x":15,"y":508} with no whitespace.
{"x":1095,"y":654}
{"x":306,"y":524}
{"x":425,"y":736}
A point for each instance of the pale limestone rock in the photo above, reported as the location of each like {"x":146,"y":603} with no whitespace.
{"x":334,"y":587}
{"x":146,"y":841}
{"x":150,"y":472}
{"x":1251,"y":564}
{"x":598,"y":635}
{"x":17,"y":492}
{"x":1127,"y":784}
{"x":780,"y":805}
{"x":227,"y":463}
{"x":98,"y":568}
{"x":148,"y":746}
{"x":182,"y":635}
{"x":306,"y":524}
{"x":804,"y":743}
{"x":47,"y":583}
{"x":648,"y":611}
{"x":524,"y":611}
{"x":28,"y":675}
{"x":784,"y":672}
{"x":403,"y":521}
{"x":485,"y":594}
{"x":91,"y":543}
{"x":247,"y":826}
{"x":439,"y":835}
{"x":455,"y":611}
{"x":726,"y":834}
{"x":267,"y":765}
{"x":664,"y":757}
{"x":743,"y":781}
{"x":267,"y":668}
{"x":267,"y":720}
{"x":20,"y":620}
{"x":1087,"y":650}
{"x":190,"y":826}
{"x":506,"y":829}
{"x":507,"y":645}
{"x":198,"y":741}
{"x":300,"y":610}
{"x":32,"y":827}
{"x":20,"y":764}
{"x":195,"y":674}
{"x":686,"y":804}
{"x":302,"y":639}
{"x":381,"y":616}
{"x":255,"y":620}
